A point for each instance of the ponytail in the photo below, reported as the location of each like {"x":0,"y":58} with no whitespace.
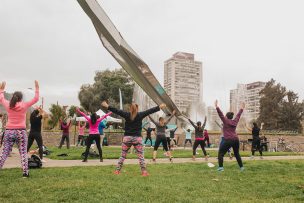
{"x":17,"y":97}
{"x":133,"y":111}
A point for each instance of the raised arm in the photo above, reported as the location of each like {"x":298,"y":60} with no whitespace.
{"x":219,"y":112}
{"x":168,"y":120}
{"x":205,"y":121}
{"x":153,"y":121}
{"x":36,"y":98}
{"x":104,"y":116}
{"x":192,"y":123}
{"x":238,"y":116}
{"x":185,"y":130}
{"x":150,"y":111}
{"x":3,"y":101}
{"x":175,"y":129}
{"x":83,"y":114}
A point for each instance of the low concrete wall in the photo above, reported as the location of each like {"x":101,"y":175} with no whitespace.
{"x":52,"y":138}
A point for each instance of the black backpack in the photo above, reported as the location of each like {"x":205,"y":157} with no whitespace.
{"x":34,"y":162}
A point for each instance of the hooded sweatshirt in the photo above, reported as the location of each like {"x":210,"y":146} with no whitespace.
{"x":17,"y":115}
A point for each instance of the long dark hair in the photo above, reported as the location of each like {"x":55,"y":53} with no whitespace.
{"x":93,"y":118}
{"x":34,"y":114}
{"x":17,"y":97}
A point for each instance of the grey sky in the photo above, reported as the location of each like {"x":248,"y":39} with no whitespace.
{"x":241,"y":41}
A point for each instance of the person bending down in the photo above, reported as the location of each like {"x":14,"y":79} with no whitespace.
{"x":132,"y":134}
{"x":161,"y":135}
{"x":230,"y":137}
{"x":199,"y":137}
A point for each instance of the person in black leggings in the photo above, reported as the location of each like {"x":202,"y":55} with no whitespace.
{"x":149,"y":134}
{"x":35,"y":132}
{"x":199,"y":137}
{"x":256,"y":141}
{"x":231,"y":139}
{"x":160,"y":135}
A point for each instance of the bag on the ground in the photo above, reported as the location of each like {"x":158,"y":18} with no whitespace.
{"x":91,"y":154}
{"x":34,"y":162}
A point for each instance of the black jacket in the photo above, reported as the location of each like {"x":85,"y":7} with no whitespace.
{"x":133,"y":128}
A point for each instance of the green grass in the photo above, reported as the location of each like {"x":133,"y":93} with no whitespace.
{"x":74,"y":153}
{"x":262,"y":181}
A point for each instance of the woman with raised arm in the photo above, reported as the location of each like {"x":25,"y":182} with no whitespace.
{"x":230,"y":137}
{"x":35,"y":133}
{"x":161,"y":135}
{"x":93,"y":121}
{"x":16,"y":127}
{"x":199,"y":137}
{"x":256,"y":141}
{"x":81,"y":128}
{"x":65,"y":127}
{"x":132,"y":135}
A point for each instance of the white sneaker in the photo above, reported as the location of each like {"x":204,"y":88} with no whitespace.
{"x":43,"y":161}
{"x":261,"y":157}
{"x":252,"y":157}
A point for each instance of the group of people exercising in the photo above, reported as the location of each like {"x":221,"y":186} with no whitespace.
{"x":15,"y":131}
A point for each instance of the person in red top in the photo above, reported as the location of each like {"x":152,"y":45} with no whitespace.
{"x":206,"y":135}
{"x":230,"y":137}
{"x":15,"y":130}
{"x":65,"y":127}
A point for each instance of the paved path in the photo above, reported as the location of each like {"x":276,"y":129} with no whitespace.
{"x":14,"y":161}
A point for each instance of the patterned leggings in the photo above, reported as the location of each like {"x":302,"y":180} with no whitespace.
{"x":127,"y":142}
{"x":10,"y":137}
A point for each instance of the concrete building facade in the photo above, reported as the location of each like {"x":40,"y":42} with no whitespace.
{"x":250,"y":94}
{"x":183,"y":80}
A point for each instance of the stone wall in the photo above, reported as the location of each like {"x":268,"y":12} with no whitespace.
{"x":52,"y":138}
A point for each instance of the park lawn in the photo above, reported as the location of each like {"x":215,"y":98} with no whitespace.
{"x":262,"y":181}
{"x":74,"y":153}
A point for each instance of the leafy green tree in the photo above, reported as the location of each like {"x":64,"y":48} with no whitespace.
{"x":291,"y":113}
{"x":106,"y":87}
{"x":279,"y":108}
{"x":56,"y":112}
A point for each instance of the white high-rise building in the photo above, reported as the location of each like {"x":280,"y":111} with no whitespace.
{"x":250,"y":94}
{"x":183,"y":80}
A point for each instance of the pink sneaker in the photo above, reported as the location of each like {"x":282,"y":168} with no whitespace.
{"x":145,"y":173}
{"x":116,"y":172}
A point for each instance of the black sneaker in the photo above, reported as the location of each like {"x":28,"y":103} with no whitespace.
{"x":84,"y":160}
{"x":101,"y":160}
{"x":25,"y":175}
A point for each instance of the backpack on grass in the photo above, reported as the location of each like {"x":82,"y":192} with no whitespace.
{"x":34,"y":162}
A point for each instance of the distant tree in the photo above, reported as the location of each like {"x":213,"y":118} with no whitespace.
{"x":279,"y":108}
{"x":56,"y":112}
{"x":292,"y":113}
{"x":72,"y":111}
{"x":106,"y":87}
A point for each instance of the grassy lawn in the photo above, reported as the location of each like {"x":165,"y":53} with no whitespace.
{"x":271,"y":181}
{"x":74,"y":153}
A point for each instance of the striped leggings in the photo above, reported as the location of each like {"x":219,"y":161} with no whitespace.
{"x":19,"y":137}
{"x":127,"y":142}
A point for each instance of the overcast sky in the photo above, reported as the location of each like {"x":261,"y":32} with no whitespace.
{"x":238,"y":41}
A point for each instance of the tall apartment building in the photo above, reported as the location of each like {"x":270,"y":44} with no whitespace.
{"x":183,"y":80}
{"x":212,"y":116}
{"x":248,"y":93}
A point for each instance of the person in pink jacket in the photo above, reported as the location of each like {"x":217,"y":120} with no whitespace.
{"x":93,"y":121}
{"x":16,"y":126}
